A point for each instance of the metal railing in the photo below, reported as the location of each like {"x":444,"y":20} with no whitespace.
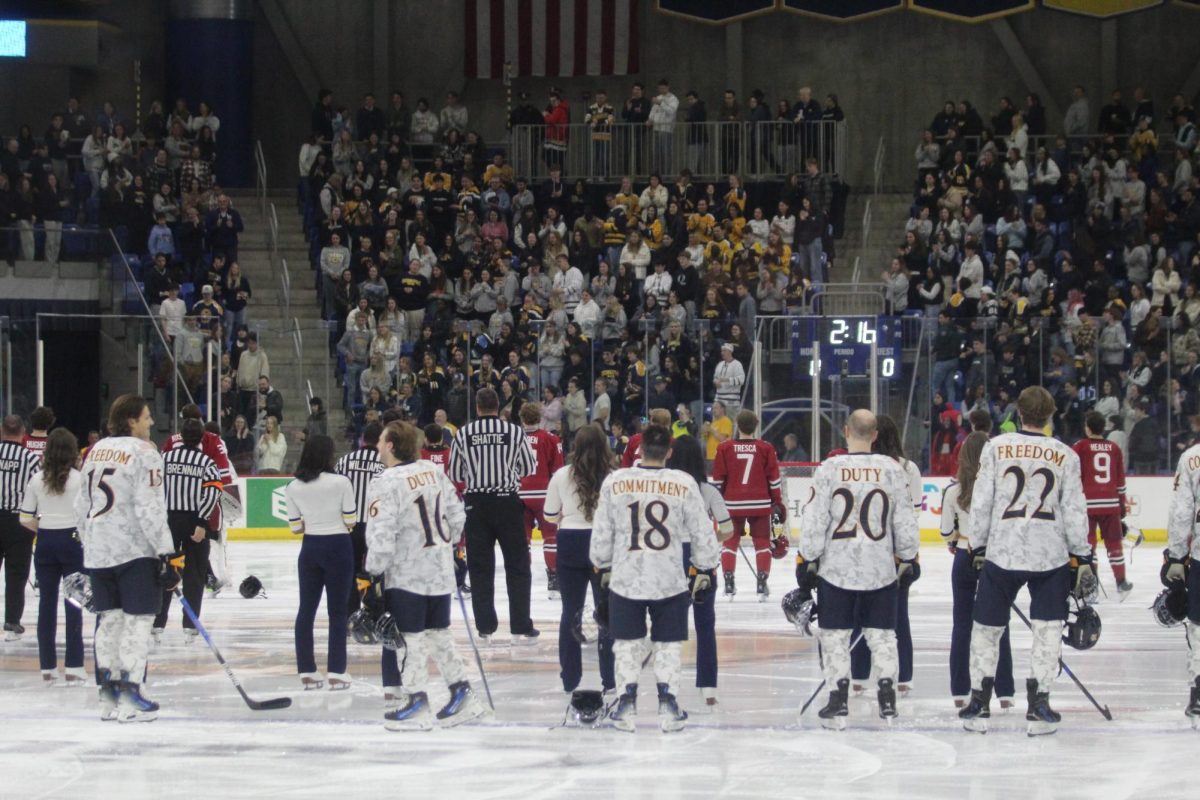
{"x":711,"y":150}
{"x":285,"y":284}
{"x":260,"y":187}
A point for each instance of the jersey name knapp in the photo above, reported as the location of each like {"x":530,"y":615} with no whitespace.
{"x":122,"y":505}
{"x":860,"y":519}
{"x":1102,"y":472}
{"x":1028,"y":506}
{"x":1182,"y":538}
{"x":414,"y":517}
{"x":747,"y":473}
{"x":643,"y":518}
{"x":548,"y":457}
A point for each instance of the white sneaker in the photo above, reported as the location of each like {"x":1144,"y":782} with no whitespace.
{"x":338,"y":681}
{"x":312,"y":680}
{"x":77,"y":676}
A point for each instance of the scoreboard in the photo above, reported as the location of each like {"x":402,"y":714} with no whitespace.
{"x":827,"y":346}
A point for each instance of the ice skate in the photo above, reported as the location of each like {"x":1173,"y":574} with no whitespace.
{"x":414,"y":715}
{"x":527,"y":639}
{"x":887,"y":699}
{"x":730,"y":586}
{"x":1123,"y":590}
{"x":312,"y":680}
{"x":76,"y":676}
{"x":190,"y":635}
{"x":552,"y":584}
{"x":624,"y":710}
{"x":107,"y":695}
{"x":1193,"y":706}
{"x":156,"y":636}
{"x":338,"y":681}
{"x":463,"y":706}
{"x":391,"y":698}
{"x":833,"y":715}
{"x":49,"y":677}
{"x":709,"y":695}
{"x":762,"y":589}
{"x":671,"y":717}
{"x":132,"y":705}
{"x":1043,"y":720}
{"x":978,"y":711}
{"x":13,"y":631}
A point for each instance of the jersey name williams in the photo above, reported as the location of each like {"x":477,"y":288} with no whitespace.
{"x":1031,"y":451}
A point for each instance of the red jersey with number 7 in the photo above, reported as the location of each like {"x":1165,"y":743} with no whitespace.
{"x":1102,"y":470}
{"x":747,"y":473}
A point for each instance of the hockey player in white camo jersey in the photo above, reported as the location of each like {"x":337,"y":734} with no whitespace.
{"x":1028,"y":528}
{"x":858,"y":536}
{"x":644,"y":517}
{"x":122,"y":515}
{"x":414,"y":519}
{"x":1182,"y":556}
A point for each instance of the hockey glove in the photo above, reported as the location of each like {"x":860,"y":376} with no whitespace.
{"x":779,"y":510}
{"x":806,"y":574}
{"x":605,"y":578}
{"x":1174,"y":570}
{"x":701,"y":584}
{"x":168,"y":571}
{"x":908,"y":572}
{"x":1082,"y":577}
{"x":370,"y":588}
{"x":978,"y":556}
{"x":600,"y":590}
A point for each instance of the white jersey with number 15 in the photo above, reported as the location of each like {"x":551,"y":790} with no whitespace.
{"x":122,"y":508}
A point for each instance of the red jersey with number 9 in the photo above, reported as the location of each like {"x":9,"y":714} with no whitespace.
{"x":1102,"y":470}
{"x":747,"y":473}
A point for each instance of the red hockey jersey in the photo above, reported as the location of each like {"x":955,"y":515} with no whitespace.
{"x":36,"y":444}
{"x":213,"y":447}
{"x":1102,"y":470}
{"x":747,"y":473}
{"x":441,"y":457}
{"x":633,"y":451}
{"x":548,"y":455}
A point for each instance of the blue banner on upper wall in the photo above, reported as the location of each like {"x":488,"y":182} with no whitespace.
{"x":715,"y":12}
{"x":971,"y":10}
{"x":847,"y":10}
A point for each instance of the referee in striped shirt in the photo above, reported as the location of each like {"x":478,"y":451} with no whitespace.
{"x":192,"y":483}
{"x":17,"y":465}
{"x":361,"y":466}
{"x":489,"y":457}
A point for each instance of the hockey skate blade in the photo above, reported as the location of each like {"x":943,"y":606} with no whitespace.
{"x":671,"y":725}
{"x":1040,"y":728}
{"x":977,"y":725}
{"x":624,"y":725}
{"x":1195,"y":723}
{"x":834,"y":723}
{"x":408,"y":725}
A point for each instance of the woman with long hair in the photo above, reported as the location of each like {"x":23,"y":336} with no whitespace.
{"x":321,"y":507}
{"x":271,"y":449}
{"x":48,"y":510}
{"x":239,"y":442}
{"x":688,"y":456}
{"x":571,"y":499}
{"x":956,"y":522}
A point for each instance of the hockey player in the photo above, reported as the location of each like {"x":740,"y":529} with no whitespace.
{"x":437,"y":450}
{"x":547,"y":452}
{"x":633,"y":451}
{"x":1028,"y":528}
{"x":644,"y":517}
{"x":1183,"y":550}
{"x":1102,"y":470}
{"x":127,"y":550}
{"x":41,"y":420}
{"x":414,"y":517}
{"x":746,"y":471}
{"x":859,"y":539}
{"x":361,"y":466}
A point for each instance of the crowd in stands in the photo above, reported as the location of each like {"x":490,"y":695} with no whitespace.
{"x":1065,"y":259}
{"x":445,"y":272}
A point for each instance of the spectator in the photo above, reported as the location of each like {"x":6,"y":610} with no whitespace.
{"x":1078,"y":118}
{"x":222,"y":227}
{"x":251,"y":364}
{"x":663,"y":107}
{"x":239,"y":444}
{"x":1144,"y":446}
{"x":270,"y":401}
{"x":271,"y":449}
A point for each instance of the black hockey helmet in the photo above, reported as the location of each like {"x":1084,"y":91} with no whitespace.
{"x":362,"y":627}
{"x":587,"y":706}
{"x":800,"y":610}
{"x":1171,"y":606}
{"x":1083,"y":631}
{"x":587,"y":627}
{"x":387,"y":632}
{"x":252,"y":587}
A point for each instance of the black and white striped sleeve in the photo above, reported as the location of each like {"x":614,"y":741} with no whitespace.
{"x":17,"y":465}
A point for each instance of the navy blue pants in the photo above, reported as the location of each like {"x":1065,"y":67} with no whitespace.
{"x":704,"y":621}
{"x":1193,"y":583}
{"x":58,"y":554}
{"x":326,"y":564}
{"x":16,"y":548}
{"x":963,"y":582}
{"x":998,"y":589}
{"x":860,"y":654}
{"x":574,"y":578}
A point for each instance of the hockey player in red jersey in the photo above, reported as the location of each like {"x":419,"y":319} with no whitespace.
{"x":1102,"y":470}
{"x":747,"y":473}
{"x":633,"y":451}
{"x":435,"y":448}
{"x":547,"y":450}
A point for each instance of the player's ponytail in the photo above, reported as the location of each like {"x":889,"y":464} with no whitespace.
{"x":591,"y":461}
{"x":968,"y":467}
{"x":62,"y":451}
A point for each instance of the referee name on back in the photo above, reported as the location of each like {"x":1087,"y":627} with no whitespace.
{"x":489,"y":438}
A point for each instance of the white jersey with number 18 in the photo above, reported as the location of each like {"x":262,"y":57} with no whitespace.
{"x":1028,"y":508}
{"x":1182,"y":539}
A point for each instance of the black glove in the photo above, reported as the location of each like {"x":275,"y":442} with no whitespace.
{"x":701,"y":584}
{"x":1082,"y":575}
{"x":370,"y":588}
{"x":1174,"y":570}
{"x":908,"y":572}
{"x":600,"y":588}
{"x":168,"y":571}
{"x":978,"y":556}
{"x":806,"y":574}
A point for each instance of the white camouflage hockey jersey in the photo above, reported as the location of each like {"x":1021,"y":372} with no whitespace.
{"x":1181,"y":524}
{"x":859,"y":521}
{"x":414,"y":520}
{"x":644,"y":516}
{"x":1028,"y":507}
{"x":122,"y":508}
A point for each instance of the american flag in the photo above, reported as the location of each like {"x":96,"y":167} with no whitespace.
{"x":552,"y":38}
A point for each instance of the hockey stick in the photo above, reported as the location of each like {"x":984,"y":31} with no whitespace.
{"x":821,"y":685}
{"x":255,"y":705}
{"x":1104,"y":712}
{"x":746,"y":558}
{"x":471,"y":638}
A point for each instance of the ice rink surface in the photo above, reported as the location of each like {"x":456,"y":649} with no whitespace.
{"x":206,"y":743}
